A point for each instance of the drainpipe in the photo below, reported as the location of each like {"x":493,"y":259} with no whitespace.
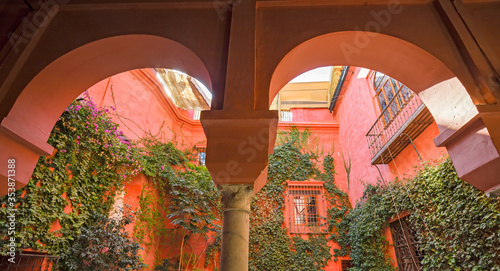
{"x":336,"y":94}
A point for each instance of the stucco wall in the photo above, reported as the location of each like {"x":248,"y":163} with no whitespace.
{"x":357,"y":113}
{"x":141,"y":108}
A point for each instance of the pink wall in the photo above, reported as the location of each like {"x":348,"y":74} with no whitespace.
{"x":322,"y":115}
{"x":163,"y":248}
{"x":324,"y":138}
{"x":407,"y":161}
{"x":357,"y":110}
{"x":357,"y":113}
{"x":142,"y":108}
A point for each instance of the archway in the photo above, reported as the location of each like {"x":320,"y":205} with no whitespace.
{"x":440,"y":90}
{"x":38,"y":107}
{"x":413,"y":66}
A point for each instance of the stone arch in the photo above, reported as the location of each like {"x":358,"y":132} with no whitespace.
{"x":442,"y":92}
{"x":42,"y":101}
{"x":463,"y":129}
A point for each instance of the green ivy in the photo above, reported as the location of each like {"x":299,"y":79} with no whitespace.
{"x":186,"y":198}
{"x":271,"y":247}
{"x":104,"y":245}
{"x":78,"y":181}
{"x":458,"y":225}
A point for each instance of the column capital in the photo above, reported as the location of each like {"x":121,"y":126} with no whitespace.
{"x":236,"y":196}
{"x":238,"y":145}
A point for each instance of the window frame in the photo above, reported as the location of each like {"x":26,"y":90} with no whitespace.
{"x":202,"y":155}
{"x":303,"y":217}
{"x":410,"y":244}
{"x":392,"y":108}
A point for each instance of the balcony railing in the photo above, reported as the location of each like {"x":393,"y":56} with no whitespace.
{"x":405,"y":113}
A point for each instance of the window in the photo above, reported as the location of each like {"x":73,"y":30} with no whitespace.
{"x":405,"y":241}
{"x":390,"y":93}
{"x":196,"y":114}
{"x":306,"y":207}
{"x":286,"y":115}
{"x":401,"y":111}
{"x":202,"y":155}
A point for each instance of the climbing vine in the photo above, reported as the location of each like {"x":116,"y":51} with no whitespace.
{"x":181,"y":194}
{"x":271,"y":247}
{"x":71,"y":192}
{"x":458,"y":226}
{"x":72,"y":187}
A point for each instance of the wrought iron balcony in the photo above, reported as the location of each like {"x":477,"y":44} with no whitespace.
{"x":405,"y":113}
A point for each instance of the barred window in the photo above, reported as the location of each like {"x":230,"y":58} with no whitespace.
{"x":405,"y":242}
{"x":390,"y":93}
{"x":306,"y":207}
{"x":202,"y":155}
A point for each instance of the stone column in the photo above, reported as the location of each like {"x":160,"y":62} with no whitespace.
{"x":236,"y":199}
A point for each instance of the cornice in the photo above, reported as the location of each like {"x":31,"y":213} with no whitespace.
{"x":325,"y":126}
{"x":147,"y":77}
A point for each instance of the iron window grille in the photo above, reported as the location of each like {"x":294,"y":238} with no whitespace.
{"x":30,"y":262}
{"x":405,"y":240}
{"x":306,"y":207}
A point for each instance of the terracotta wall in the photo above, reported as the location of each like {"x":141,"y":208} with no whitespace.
{"x":324,"y":138}
{"x":356,"y":111}
{"x":407,"y":161}
{"x":161,"y":248}
{"x":141,"y":108}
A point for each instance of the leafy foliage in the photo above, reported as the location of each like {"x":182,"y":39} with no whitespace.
{"x":75,"y":188}
{"x":271,"y":247}
{"x":104,"y":245}
{"x":187,"y":199}
{"x":458,"y":226}
{"x":340,"y":206}
{"x":79,"y":180}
